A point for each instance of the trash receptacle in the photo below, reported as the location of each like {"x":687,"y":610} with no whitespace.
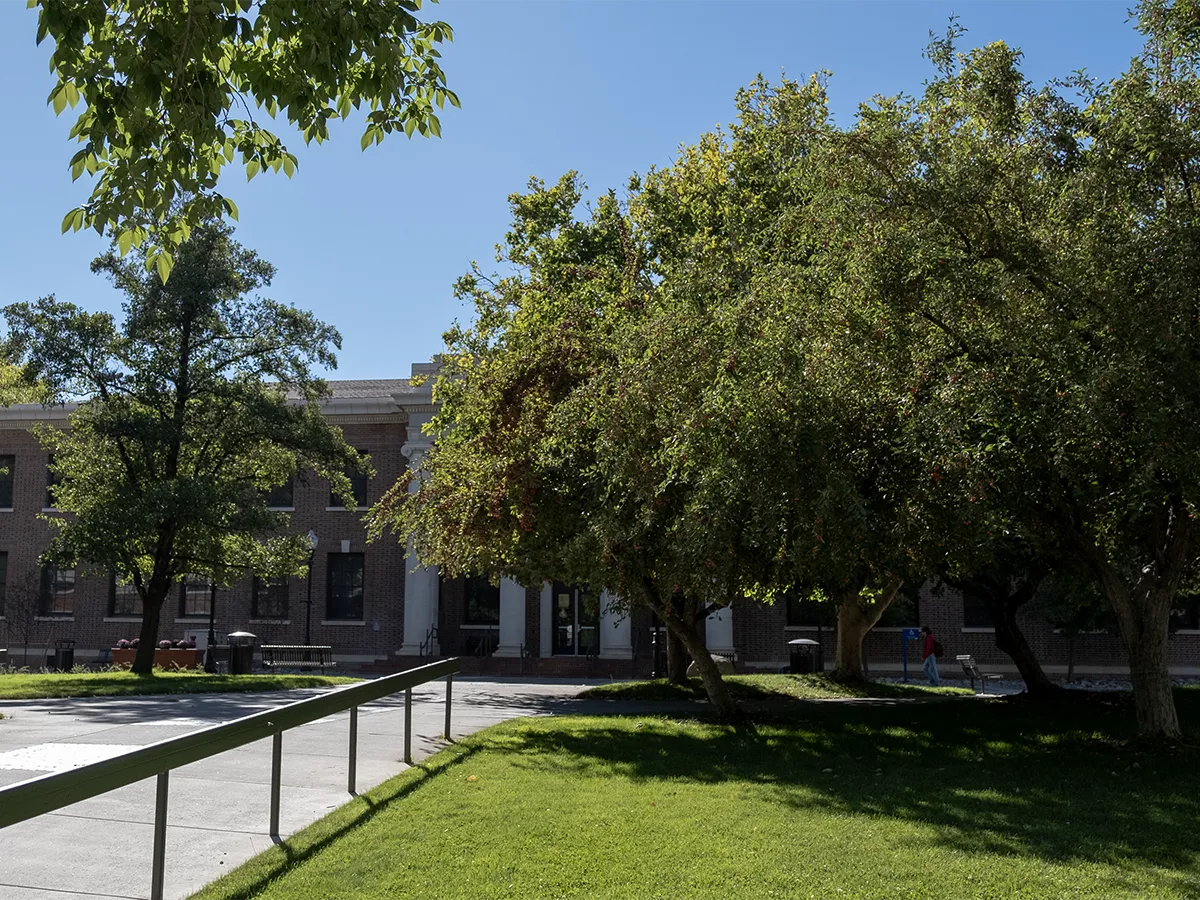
{"x":241,"y":652}
{"x":803,"y":655}
{"x":64,"y":655}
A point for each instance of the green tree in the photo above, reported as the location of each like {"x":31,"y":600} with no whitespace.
{"x":193,"y":407}
{"x":170,"y":93}
{"x":1038,"y":246}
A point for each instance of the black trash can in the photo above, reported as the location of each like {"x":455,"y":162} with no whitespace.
{"x":64,"y":655}
{"x":241,"y":652}
{"x":803,"y":652}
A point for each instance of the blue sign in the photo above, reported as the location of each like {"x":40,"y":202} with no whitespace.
{"x":911,"y":634}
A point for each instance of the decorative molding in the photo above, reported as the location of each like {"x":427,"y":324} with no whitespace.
{"x":396,"y":418}
{"x":417,"y":449}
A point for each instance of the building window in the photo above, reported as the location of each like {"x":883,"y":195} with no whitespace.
{"x":280,"y":496}
{"x":52,"y":481}
{"x":802,"y":609}
{"x":905,"y":609}
{"x":269,"y":599}
{"x":1186,"y":613}
{"x":58,"y":591}
{"x":358,"y":487}
{"x":195,"y":597}
{"x":3,"y":579}
{"x":482,"y":599}
{"x":8,"y":465}
{"x":344,"y":597}
{"x":975,"y":610}
{"x":123,"y":599}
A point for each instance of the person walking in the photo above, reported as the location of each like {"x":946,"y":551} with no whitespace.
{"x":930,"y":656}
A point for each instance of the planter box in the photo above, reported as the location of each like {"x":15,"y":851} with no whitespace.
{"x":164,"y":659}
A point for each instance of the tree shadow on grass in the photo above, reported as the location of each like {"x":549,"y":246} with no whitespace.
{"x":250,"y":879}
{"x":988,"y":778}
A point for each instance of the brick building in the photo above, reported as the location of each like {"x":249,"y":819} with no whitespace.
{"x":380,"y":611}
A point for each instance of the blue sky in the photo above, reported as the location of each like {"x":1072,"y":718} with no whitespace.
{"x":373,"y":241}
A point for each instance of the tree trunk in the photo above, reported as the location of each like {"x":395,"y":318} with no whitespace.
{"x":854,"y":619}
{"x":143,"y":660}
{"x":678,"y":659}
{"x":710,"y":675}
{"x":1004,"y":602}
{"x":1143,"y":614}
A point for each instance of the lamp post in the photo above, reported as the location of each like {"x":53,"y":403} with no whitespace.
{"x":312,"y":551}
{"x":210,"y":652}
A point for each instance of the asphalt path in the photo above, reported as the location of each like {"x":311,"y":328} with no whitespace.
{"x":219,"y":807}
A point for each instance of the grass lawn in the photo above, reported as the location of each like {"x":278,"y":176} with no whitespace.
{"x":766,"y":687}
{"x":28,"y":686}
{"x":957,"y":799}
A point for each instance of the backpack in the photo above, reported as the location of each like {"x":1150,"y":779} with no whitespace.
{"x":938,"y":649}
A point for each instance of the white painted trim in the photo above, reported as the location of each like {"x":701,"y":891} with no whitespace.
{"x":346,"y":509}
{"x":355,"y":623}
{"x":965,"y":630}
{"x":270,"y":622}
{"x":127,"y":619}
{"x":70,"y":618}
{"x":281,"y":508}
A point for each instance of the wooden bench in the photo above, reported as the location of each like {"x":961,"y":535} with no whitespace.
{"x":297,"y":656}
{"x":971,"y":670}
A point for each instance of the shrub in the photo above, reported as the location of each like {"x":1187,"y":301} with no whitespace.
{"x":164,"y":645}
{"x":123,"y":644}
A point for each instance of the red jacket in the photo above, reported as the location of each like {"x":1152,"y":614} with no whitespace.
{"x":928,"y":647}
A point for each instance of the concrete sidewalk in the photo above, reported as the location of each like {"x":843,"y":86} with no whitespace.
{"x":219,"y":807}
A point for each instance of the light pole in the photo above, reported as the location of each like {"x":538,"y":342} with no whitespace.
{"x":312,"y":551}
{"x":210,"y":652}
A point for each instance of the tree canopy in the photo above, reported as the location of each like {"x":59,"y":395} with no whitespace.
{"x":188,"y":411}
{"x":173,"y":93}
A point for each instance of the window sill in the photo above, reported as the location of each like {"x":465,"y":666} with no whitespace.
{"x":5,"y":509}
{"x":893,"y":628}
{"x":192,"y":620}
{"x":281,"y":508}
{"x":1183,"y":631}
{"x":357,"y":623}
{"x":465,"y":626}
{"x":805,"y":628}
{"x":965,"y":630}
{"x":347,"y":509}
{"x":122,"y":618}
{"x":52,"y":509}
{"x":270,"y":621}
{"x":63,"y":618}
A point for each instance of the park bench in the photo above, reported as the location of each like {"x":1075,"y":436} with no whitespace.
{"x":971,"y":670}
{"x":297,"y":656}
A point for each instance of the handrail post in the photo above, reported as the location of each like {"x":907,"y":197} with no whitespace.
{"x":408,"y":725}
{"x":352,"y":774}
{"x":449,"y":694}
{"x":276,"y":775}
{"x":160,"y":837}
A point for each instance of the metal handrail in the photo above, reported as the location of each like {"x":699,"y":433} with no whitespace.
{"x":47,"y":793}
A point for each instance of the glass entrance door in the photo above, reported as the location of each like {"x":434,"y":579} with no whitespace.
{"x":576,"y":621}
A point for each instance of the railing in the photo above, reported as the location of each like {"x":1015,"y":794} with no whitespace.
{"x":47,"y":793}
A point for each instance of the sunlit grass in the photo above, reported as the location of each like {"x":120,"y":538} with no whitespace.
{"x":32,"y":686}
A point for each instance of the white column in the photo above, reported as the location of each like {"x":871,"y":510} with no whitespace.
{"x":546,"y":630}
{"x":718,"y":631}
{"x":615,"y":634}
{"x":512,"y":618}
{"x":421,"y":583}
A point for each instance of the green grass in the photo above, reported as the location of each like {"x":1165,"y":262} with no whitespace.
{"x":29,"y":686}
{"x":766,"y":687}
{"x":952,"y":799}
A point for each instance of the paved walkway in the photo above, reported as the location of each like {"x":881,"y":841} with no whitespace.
{"x":219,"y":807}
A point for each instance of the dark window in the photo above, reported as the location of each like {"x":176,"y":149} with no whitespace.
{"x":52,"y":481}
{"x":904,"y":611}
{"x":195,"y":596}
{"x":8,"y":465}
{"x":3,"y":578}
{"x":358,"y":486}
{"x":975,"y":611}
{"x":123,"y":599}
{"x":58,"y":591}
{"x":803,"y":610}
{"x":344,"y":598}
{"x":482,"y":602}
{"x":280,"y":496}
{"x":270,"y":598}
{"x":1186,"y":613}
